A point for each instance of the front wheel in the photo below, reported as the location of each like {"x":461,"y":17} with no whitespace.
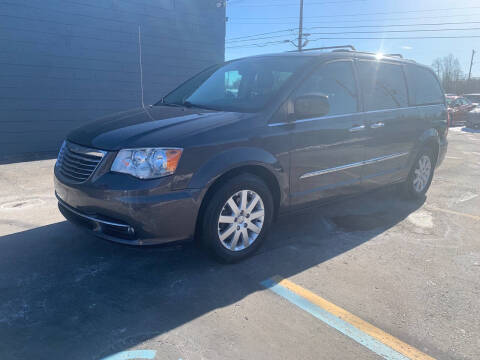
{"x":421,"y":174}
{"x":237,"y":218}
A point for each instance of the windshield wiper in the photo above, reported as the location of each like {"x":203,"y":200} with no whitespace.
{"x":169,"y":104}
{"x":185,"y":103}
{"x":188,"y":104}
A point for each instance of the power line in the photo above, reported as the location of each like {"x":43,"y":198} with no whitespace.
{"x":395,"y":25}
{"x":266,"y":33}
{"x":400,"y":38}
{"x":354,"y":21}
{"x":351,"y":27}
{"x":362,"y":38}
{"x":258,"y":45}
{"x":366,"y":32}
{"x":295,"y":4}
{"x":366,"y":14}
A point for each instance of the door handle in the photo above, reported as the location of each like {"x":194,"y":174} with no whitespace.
{"x":377,"y":125}
{"x":357,"y":128}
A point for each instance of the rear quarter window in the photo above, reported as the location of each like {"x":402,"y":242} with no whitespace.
{"x":423,"y":86}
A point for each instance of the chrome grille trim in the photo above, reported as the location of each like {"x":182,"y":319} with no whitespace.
{"x":77,"y":163}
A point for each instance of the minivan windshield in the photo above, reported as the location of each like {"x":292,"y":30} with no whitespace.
{"x":245,"y":85}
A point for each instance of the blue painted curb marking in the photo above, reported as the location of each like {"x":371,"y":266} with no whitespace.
{"x":132,"y":354}
{"x":344,"y":327}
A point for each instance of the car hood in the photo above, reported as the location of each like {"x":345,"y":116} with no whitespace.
{"x":150,"y":127}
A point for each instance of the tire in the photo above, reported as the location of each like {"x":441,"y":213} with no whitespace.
{"x":236,"y":235}
{"x":419,"y":179}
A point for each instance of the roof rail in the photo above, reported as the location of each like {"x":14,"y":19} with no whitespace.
{"x":351,"y":47}
{"x":394,"y":55}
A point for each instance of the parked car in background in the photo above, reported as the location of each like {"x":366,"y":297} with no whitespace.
{"x":458,"y":108}
{"x":474,"y":98}
{"x":473,"y":118}
{"x":221,"y":156}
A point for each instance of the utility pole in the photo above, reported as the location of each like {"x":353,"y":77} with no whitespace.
{"x":300,"y":28}
{"x":471,"y":64}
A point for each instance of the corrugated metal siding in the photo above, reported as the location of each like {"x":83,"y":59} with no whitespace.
{"x":66,"y":62}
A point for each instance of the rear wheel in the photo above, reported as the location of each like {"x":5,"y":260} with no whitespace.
{"x":237,"y":218}
{"x":421,"y":174}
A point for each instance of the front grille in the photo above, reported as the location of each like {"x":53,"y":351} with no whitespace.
{"x":77,"y":163}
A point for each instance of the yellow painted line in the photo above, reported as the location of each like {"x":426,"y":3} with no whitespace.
{"x":475,"y":217}
{"x":378,"y":334}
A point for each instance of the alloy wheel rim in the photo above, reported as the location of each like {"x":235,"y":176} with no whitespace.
{"x":422,"y":173}
{"x":241,"y":220}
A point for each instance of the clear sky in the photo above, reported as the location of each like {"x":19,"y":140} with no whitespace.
{"x":366,"y":19}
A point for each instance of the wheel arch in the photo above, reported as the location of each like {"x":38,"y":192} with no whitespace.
{"x":263,"y":165}
{"x":429,"y":138}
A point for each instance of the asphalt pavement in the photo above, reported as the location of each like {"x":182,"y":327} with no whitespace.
{"x":411,"y":269}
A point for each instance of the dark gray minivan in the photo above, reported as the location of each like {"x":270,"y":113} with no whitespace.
{"x":240,"y":143}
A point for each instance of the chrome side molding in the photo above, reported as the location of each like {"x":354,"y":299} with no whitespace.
{"x":353,"y":165}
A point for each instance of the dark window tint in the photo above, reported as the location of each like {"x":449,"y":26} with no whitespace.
{"x":383,"y":85}
{"x":474,"y":98}
{"x":423,"y":86}
{"x":337,"y":82}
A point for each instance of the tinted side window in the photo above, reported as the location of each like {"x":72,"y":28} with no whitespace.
{"x":383,"y":85}
{"x":336,"y":81}
{"x":423,"y":86}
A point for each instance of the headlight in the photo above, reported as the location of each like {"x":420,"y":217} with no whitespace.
{"x":148,"y":163}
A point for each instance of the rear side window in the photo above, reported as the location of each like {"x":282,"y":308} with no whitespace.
{"x":423,"y":86}
{"x":336,"y":81}
{"x":474,"y":98}
{"x":383,"y":85}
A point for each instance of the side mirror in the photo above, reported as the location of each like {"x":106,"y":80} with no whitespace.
{"x":311,"y":105}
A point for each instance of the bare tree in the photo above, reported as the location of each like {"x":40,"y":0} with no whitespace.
{"x":449,"y":71}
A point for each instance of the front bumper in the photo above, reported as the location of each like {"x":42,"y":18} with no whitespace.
{"x":130,"y":211}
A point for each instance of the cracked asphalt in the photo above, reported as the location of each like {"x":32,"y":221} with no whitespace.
{"x":411,"y":269}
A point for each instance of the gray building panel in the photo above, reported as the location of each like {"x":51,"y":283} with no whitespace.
{"x":64,"y":63}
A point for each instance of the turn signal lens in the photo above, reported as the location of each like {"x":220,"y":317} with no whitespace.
{"x":173,"y":157}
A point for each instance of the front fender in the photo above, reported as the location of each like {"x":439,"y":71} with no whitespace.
{"x":238,"y":157}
